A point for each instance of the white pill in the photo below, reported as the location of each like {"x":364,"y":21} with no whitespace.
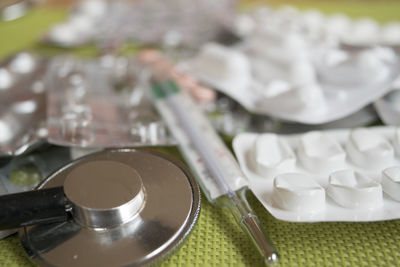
{"x":369,"y":150}
{"x":364,"y":31}
{"x":351,"y":189}
{"x":310,"y":95}
{"x":244,"y":25}
{"x":294,"y":42}
{"x":219,"y":62}
{"x":272,"y":155}
{"x":386,"y":54}
{"x":81,"y":23}
{"x":390,"y":34}
{"x":337,"y":24}
{"x":298,"y":192}
{"x":64,"y":34}
{"x":303,"y":73}
{"x":320,"y":153}
{"x":314,"y":19}
{"x":371,"y":66}
{"x":369,"y":60}
{"x":334,"y":57}
{"x":276,"y":87}
{"x":94,"y":8}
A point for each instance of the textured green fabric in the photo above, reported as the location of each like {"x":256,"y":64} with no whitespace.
{"x":216,"y":240}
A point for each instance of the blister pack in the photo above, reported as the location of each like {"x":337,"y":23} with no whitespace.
{"x":287,"y":79}
{"x":336,"y":175}
{"x":142,"y":21}
{"x":22,"y":103}
{"x":388,"y":107}
{"x":24,"y":173}
{"x":335,"y":28}
{"x":101,"y":103}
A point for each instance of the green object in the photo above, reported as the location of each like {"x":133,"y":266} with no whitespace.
{"x":25,"y":175}
{"x":379,"y":10}
{"x":164,"y":88}
{"x":216,"y":240}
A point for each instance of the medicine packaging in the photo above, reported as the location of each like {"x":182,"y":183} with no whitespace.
{"x":296,"y":81}
{"x":388,"y":107}
{"x":101,"y":103}
{"x":23,"y":103}
{"x":334,"y":175}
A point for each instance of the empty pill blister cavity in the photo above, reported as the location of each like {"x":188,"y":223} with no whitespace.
{"x":357,"y":168}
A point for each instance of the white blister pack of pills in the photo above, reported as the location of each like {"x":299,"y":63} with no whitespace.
{"x":337,"y":175}
{"x":295,"y":81}
{"x":338,"y":28}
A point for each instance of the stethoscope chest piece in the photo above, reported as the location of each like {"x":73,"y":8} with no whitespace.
{"x":127,"y":207}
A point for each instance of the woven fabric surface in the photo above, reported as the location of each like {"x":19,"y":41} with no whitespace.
{"x":216,"y":240}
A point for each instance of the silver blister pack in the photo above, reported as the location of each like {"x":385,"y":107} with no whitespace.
{"x":101,"y":103}
{"x":23,"y":103}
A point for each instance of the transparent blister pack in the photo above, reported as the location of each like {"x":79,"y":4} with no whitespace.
{"x":297,"y":81}
{"x":102,"y":21}
{"x":335,"y":175}
{"x":101,"y":103}
{"x":22,"y":103}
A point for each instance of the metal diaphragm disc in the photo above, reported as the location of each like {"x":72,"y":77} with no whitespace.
{"x":168,"y":209}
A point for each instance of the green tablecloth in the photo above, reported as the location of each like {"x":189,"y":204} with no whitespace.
{"x":216,"y":239}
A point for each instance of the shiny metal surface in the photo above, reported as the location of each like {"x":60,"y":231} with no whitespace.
{"x":22,"y":104}
{"x":171,"y":207}
{"x":119,"y":185}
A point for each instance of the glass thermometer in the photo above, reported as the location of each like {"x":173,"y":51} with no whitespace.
{"x":214,"y":166}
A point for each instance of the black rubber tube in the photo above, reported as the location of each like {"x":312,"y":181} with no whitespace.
{"x":33,"y":207}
